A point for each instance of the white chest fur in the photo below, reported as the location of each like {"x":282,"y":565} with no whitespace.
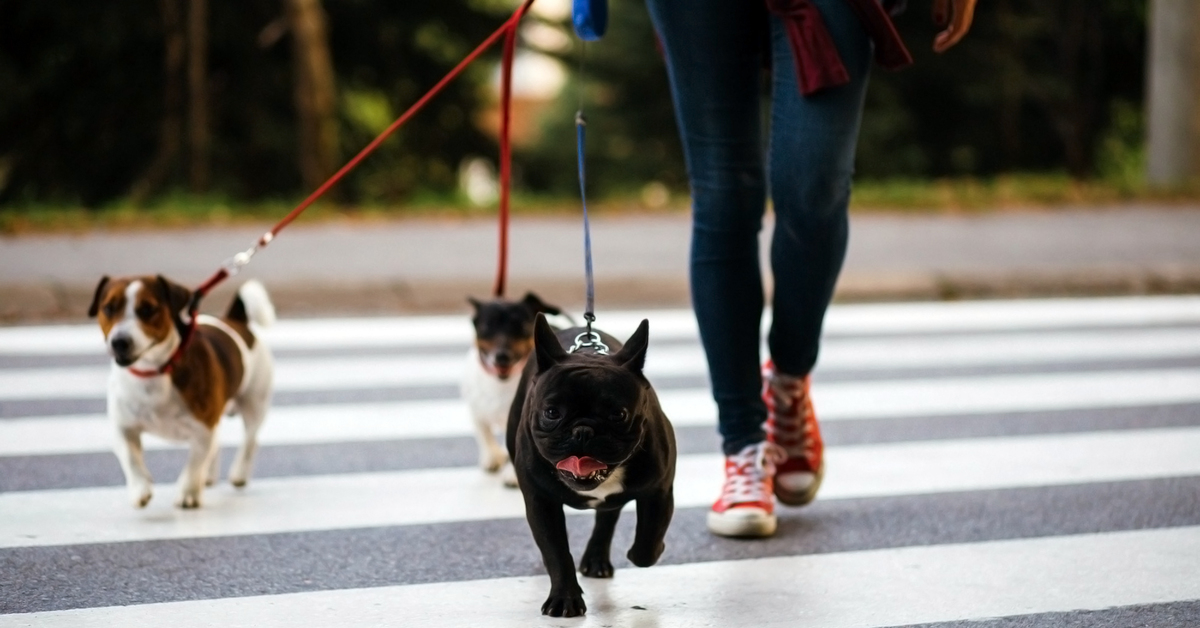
{"x":487,"y":396}
{"x":613,"y":485}
{"x":151,"y":404}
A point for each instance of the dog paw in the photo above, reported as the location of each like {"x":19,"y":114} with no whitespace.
{"x":140,"y":497}
{"x":238,"y":476}
{"x":596,"y":566}
{"x":508,"y":475}
{"x":492,"y":460}
{"x":644,"y":557}
{"x":564,"y":604}
{"x":188,"y":500}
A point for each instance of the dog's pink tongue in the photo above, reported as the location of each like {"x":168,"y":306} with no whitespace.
{"x":580,"y":467}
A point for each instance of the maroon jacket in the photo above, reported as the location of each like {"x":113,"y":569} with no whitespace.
{"x":818,"y":64}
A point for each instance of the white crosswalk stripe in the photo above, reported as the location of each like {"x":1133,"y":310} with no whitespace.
{"x":895,"y":364}
{"x":851,"y":589}
{"x":364,"y":372}
{"x":841,"y":401}
{"x":351,"y":500}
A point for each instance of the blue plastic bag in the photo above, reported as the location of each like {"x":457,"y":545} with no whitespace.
{"x":590,"y":18}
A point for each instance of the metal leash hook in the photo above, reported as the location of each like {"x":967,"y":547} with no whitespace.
{"x":233,"y":265}
{"x":591,"y":339}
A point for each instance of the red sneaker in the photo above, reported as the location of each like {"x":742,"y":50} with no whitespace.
{"x":746,"y":507}
{"x":792,"y":424}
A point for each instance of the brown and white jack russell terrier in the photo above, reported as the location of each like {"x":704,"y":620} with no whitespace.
{"x":175,"y":378}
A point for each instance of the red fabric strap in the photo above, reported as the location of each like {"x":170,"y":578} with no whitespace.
{"x":890,"y":51}
{"x":818,"y":64}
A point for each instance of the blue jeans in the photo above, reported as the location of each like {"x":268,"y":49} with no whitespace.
{"x":714,"y":51}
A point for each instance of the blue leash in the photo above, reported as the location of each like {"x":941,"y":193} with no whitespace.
{"x":589,"y":313}
{"x":590,"y":18}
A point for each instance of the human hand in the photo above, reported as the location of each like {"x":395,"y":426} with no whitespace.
{"x":956,"y":16}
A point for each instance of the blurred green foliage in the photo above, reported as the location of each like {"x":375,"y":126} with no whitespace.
{"x":81,"y":87}
{"x":1037,"y":86}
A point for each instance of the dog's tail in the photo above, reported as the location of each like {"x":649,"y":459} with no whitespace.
{"x":252,"y":305}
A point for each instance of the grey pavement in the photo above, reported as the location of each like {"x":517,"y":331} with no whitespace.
{"x":1004,"y":492}
{"x":431,"y":265}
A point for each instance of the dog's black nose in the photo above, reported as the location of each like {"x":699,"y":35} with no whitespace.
{"x":121,"y":344}
{"x":582,"y":434}
{"x":503,"y":358}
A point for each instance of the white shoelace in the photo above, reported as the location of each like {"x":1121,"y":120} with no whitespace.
{"x":752,"y":466}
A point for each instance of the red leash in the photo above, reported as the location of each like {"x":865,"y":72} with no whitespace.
{"x":234,"y":264}
{"x":506,"y":68}
{"x":506,"y":63}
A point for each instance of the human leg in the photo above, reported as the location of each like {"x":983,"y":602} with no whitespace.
{"x":714,"y":59}
{"x":812,"y":145}
{"x":812,"y":148}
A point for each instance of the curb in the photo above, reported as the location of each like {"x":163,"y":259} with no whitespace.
{"x":59,"y":302}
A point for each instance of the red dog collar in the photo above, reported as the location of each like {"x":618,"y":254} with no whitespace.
{"x":170,"y":363}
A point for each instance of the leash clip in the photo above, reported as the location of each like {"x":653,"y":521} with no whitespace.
{"x":233,"y":265}
{"x":589,"y":339}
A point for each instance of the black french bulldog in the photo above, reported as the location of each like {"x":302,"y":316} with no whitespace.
{"x":586,"y":430}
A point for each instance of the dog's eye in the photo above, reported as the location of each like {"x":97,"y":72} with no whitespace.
{"x":110,"y":309}
{"x":619,"y":415}
{"x":146,"y":311}
{"x":551,"y":414}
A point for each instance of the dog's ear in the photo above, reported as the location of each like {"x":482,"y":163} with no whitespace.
{"x":176,"y":296}
{"x":545,"y":344}
{"x":476,"y":309}
{"x":633,"y":355}
{"x":536,"y":304}
{"x":94,"y":308}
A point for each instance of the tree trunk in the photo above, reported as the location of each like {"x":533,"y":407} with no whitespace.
{"x":170,"y":133}
{"x":1173,"y":93}
{"x":1080,"y":44}
{"x":199,"y":135}
{"x":315,"y":92}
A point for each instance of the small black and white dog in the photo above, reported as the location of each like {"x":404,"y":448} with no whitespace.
{"x":503,"y":341}
{"x":586,"y":430}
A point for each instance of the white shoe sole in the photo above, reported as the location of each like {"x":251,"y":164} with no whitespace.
{"x":755,"y":524}
{"x":800,"y":498}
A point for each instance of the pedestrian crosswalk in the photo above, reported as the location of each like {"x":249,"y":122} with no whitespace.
{"x":986,"y":460}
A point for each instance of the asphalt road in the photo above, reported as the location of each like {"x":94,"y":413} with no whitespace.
{"x":431,"y":265}
{"x":996,"y":464}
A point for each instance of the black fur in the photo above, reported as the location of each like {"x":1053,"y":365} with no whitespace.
{"x":177,"y":299}
{"x":94,"y":308}
{"x":602,"y":407}
{"x":237,"y":311}
{"x":514,"y":319}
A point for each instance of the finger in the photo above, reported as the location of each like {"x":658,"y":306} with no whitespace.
{"x":964,"y":13}
{"x":941,"y":12}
